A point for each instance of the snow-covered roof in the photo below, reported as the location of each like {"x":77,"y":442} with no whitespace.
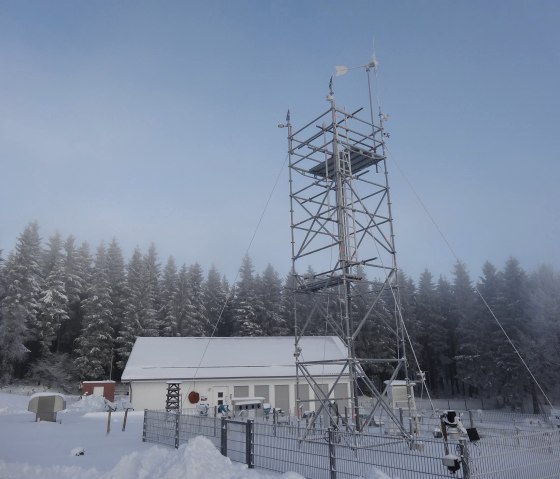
{"x":235,"y":357}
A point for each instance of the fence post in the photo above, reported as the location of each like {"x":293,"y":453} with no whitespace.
{"x":145,"y":425}
{"x":109,"y":421}
{"x":401,"y":417}
{"x":223,"y":441}
{"x":124,"y":419}
{"x":471,"y":418}
{"x":332,"y":453}
{"x":177,"y":426}
{"x":249,"y":451}
{"x":464,"y":459}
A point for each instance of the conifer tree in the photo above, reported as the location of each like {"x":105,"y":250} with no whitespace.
{"x":153,"y":272}
{"x":226,"y":326}
{"x":77,"y":275}
{"x":20,"y":304}
{"x":116,"y":278}
{"x":270,"y":314}
{"x":197,"y":321}
{"x":169,"y":290}
{"x":407,"y":292}
{"x":53,"y":301}
{"x":431,"y":332}
{"x":544,"y":309}
{"x":463,"y":346}
{"x":95,"y":344}
{"x":514,"y":379}
{"x":245,"y":303}
{"x":140,"y":316}
{"x":182,"y":303}
{"x":214,"y":298}
{"x":445,"y":310}
{"x":288,"y":301}
{"x":488,"y":334}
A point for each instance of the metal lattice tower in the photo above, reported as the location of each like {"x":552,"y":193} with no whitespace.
{"x":342,"y":235}
{"x":173,"y":396}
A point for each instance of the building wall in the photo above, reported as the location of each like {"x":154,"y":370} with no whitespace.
{"x":152,"y":394}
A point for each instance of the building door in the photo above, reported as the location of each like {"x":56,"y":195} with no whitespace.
{"x":98,"y":390}
{"x":221,"y":395}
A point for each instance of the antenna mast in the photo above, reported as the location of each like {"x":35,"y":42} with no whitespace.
{"x":342,"y":236}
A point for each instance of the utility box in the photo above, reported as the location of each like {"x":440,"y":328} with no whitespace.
{"x":104,"y":389}
{"x":46,"y":405}
{"x":401,"y":394}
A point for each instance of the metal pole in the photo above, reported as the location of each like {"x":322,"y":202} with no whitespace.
{"x":145,"y":425}
{"x":109,"y":421}
{"x":124,"y":419}
{"x":332,"y":454}
{"x":177,"y":426}
{"x":464,"y":459}
{"x":249,"y":449}
{"x":223,"y":437}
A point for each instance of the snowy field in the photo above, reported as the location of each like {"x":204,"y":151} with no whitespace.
{"x":48,"y":450}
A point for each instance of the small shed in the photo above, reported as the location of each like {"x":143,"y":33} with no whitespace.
{"x":46,"y":405}
{"x":104,"y":389}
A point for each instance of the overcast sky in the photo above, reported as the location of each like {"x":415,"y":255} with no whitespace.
{"x":157,"y":122}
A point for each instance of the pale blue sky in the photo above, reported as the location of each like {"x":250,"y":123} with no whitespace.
{"x":156,"y":121}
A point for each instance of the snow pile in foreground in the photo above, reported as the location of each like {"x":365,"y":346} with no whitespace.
{"x":198,"y":459}
{"x":377,"y":474}
{"x":78,"y":446}
{"x":89,"y":404}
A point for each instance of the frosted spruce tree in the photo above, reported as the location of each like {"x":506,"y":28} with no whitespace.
{"x":544,"y":308}
{"x":271,"y":314}
{"x":117,"y":282}
{"x":167,"y":312}
{"x":77,"y":273}
{"x":432,"y":332}
{"x":153,"y":273}
{"x":216,"y":303}
{"x":53,"y":300}
{"x":139,"y":314}
{"x":197,"y":321}
{"x":246,"y":304}
{"x":95,"y":344}
{"x":182,"y":303}
{"x":513,"y":377}
{"x":20,"y":304}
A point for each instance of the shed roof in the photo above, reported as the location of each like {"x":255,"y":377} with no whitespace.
{"x":157,"y":358}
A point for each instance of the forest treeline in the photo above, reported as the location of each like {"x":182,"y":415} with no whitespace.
{"x":68,"y":313}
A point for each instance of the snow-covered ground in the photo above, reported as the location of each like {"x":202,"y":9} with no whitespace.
{"x":48,"y":450}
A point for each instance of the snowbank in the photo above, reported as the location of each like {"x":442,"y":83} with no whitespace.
{"x":198,"y":459}
{"x":46,"y":450}
{"x":89,"y":404}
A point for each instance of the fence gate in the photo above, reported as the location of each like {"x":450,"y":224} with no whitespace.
{"x":237,"y":441}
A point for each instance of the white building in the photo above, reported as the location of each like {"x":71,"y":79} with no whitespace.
{"x":221,"y":369}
